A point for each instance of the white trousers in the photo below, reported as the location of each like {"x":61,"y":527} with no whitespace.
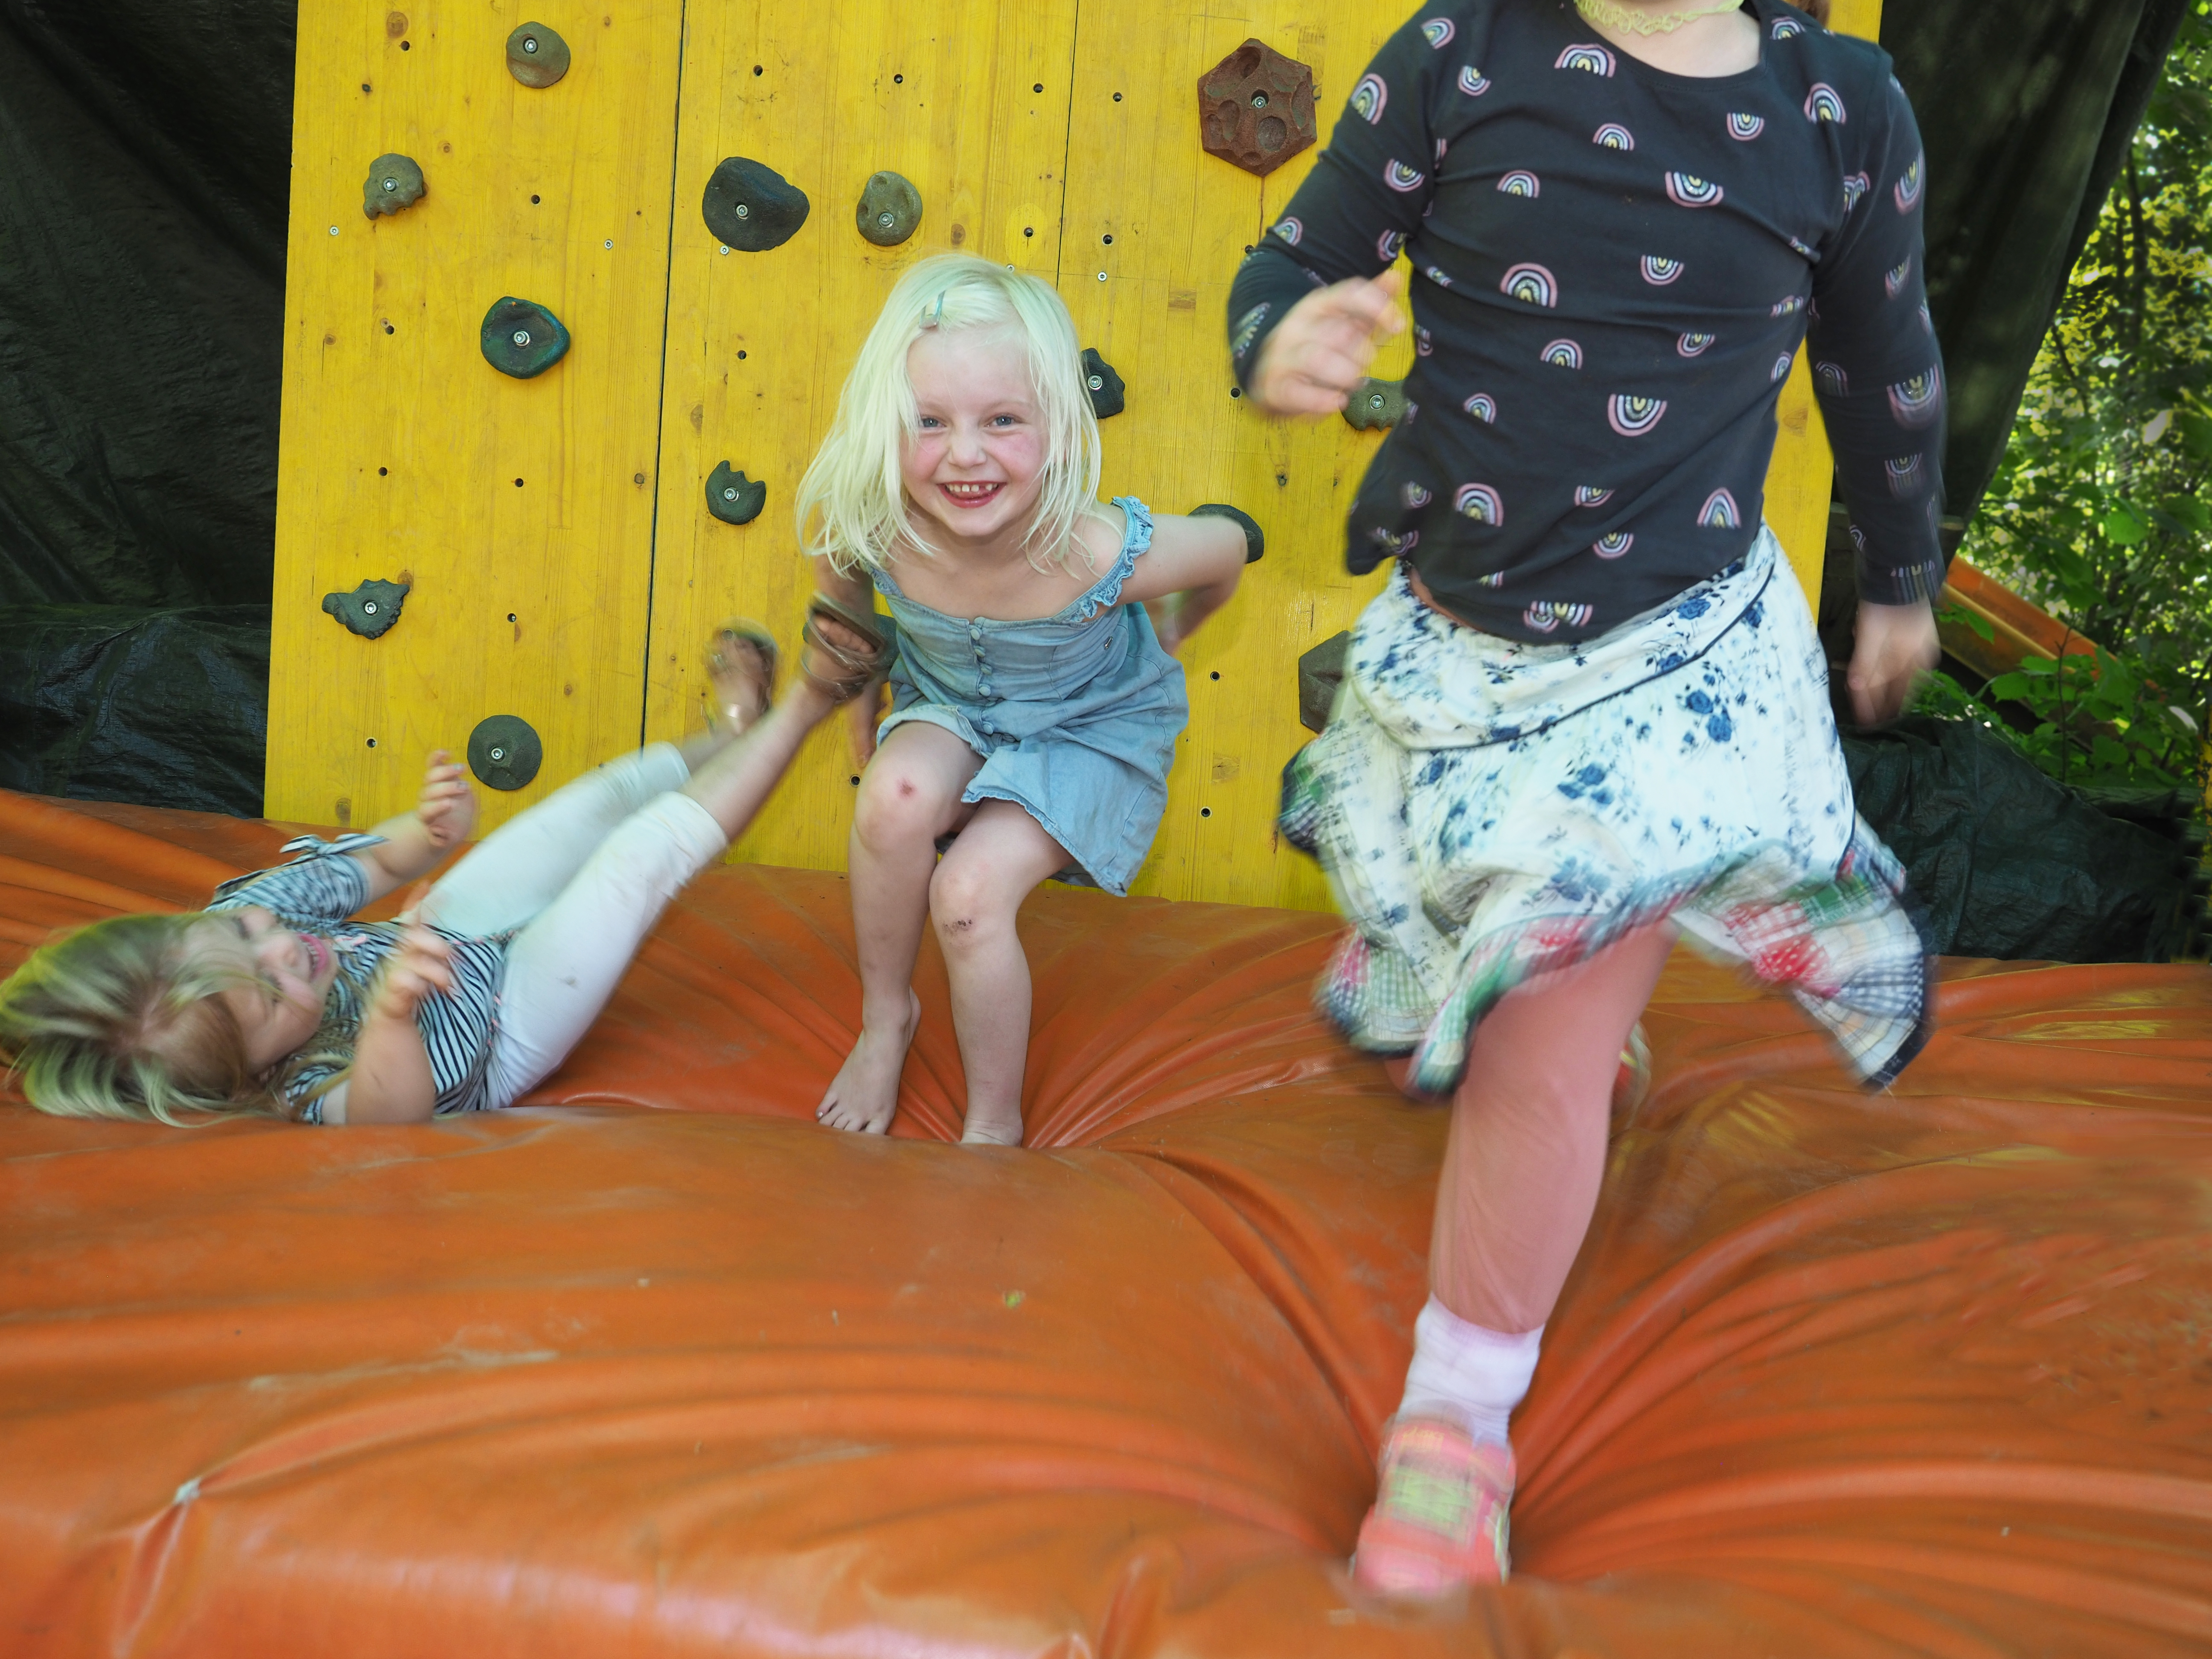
{"x":579,"y":879}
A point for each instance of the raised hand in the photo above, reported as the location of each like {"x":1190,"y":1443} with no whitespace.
{"x":1322,"y":350}
{"x":447,"y":807}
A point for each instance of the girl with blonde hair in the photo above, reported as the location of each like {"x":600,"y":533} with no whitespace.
{"x":272,"y":1001}
{"x":1036,"y":701}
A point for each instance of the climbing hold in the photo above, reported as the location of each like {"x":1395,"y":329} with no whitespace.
{"x":890,"y":210}
{"x":394,"y":184}
{"x":732,"y":497}
{"x":1320,"y":670}
{"x":1375,"y":404}
{"x":1255,"y":539}
{"x":1255,"y":108}
{"x":523,"y":339}
{"x":504,"y":752}
{"x":370,"y":610}
{"x":536,"y":56}
{"x":1104,"y":385}
{"x":752,"y":207}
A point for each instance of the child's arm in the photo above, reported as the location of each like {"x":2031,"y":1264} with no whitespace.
{"x":867,"y":710}
{"x":415,"y":842}
{"x":390,"y":1081}
{"x":1189,"y":572}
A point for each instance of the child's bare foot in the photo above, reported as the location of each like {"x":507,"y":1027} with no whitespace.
{"x":864,"y":1095}
{"x":741,"y":671}
{"x":983,"y":1131}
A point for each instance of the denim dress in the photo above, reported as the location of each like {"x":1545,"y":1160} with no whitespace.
{"x":1076,"y":715}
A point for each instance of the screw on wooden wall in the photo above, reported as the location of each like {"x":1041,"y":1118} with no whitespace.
{"x":394,"y":184}
{"x":890,"y":210}
{"x":536,"y":56}
{"x":522,"y":339}
{"x":1256,"y":108}
{"x":752,"y":207}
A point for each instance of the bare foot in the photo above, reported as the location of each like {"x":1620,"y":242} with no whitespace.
{"x":742,"y":673}
{"x":864,"y":1095}
{"x":979,"y":1131}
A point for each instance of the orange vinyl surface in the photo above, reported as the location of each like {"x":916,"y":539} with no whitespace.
{"x":668,"y":1369}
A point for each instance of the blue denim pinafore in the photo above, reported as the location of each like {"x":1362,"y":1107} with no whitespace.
{"x":1076,"y":715}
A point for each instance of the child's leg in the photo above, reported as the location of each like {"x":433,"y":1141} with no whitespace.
{"x":999,"y":861}
{"x":519,"y":868}
{"x":515,"y":871}
{"x":1520,"y":1177}
{"x":566,"y":963}
{"x":909,"y":796}
{"x":1528,"y":1132}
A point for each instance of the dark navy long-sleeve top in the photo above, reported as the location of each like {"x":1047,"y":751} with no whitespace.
{"x":1614,"y":270}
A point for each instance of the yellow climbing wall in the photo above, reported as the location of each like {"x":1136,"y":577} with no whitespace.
{"x":1034,"y":131}
{"x":521,"y":510}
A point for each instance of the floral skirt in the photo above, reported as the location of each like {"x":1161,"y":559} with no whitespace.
{"x":1488,"y":809}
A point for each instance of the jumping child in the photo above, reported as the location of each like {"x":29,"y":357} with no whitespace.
{"x":273,"y":1002}
{"x":1036,"y":703}
{"x":1589,"y":710}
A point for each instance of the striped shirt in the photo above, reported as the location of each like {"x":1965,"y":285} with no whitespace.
{"x":317,"y":893}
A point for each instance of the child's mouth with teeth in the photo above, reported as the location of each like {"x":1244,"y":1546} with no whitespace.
{"x":971,"y":495}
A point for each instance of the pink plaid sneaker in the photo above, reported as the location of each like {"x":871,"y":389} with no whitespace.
{"x":1439,"y":1520}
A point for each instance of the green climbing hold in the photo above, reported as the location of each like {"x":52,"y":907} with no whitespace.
{"x":394,"y":184}
{"x":523,"y":339}
{"x":752,"y":207}
{"x":536,"y":56}
{"x":504,"y":752}
{"x":1375,"y":404}
{"x":890,"y":210}
{"x":732,"y":497}
{"x":1104,"y":385}
{"x":370,"y":610}
{"x":1320,"y":672}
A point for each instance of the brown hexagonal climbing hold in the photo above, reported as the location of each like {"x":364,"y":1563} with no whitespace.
{"x":1255,"y":108}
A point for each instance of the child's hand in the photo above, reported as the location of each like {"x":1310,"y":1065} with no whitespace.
{"x":1322,"y":350}
{"x":448,"y":807}
{"x":422,"y":966}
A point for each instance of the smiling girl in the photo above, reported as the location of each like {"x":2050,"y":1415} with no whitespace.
{"x":1036,"y":701}
{"x":273,"y":1001}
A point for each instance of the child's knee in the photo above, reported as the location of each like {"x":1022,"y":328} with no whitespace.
{"x":965,"y":905}
{"x":896,"y":807}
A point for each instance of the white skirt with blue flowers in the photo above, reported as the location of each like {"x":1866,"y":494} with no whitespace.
{"x":1487,"y":810}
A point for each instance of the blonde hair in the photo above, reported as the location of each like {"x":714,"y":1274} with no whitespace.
{"x":852,"y":503}
{"x":124,"y":1020}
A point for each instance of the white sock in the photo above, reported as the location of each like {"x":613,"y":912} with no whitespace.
{"x":1468,"y":1373}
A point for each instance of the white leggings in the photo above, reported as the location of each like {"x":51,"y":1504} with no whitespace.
{"x":583,"y":875}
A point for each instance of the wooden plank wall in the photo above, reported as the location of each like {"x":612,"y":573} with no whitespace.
{"x":401,"y":448}
{"x":686,"y":355}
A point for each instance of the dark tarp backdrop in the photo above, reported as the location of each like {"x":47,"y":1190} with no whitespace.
{"x":144,"y":162}
{"x":144,"y":167}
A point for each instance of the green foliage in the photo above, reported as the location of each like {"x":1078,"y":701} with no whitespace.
{"x":2098,"y":513}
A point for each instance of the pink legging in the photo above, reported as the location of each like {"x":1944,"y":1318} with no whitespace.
{"x":1528,"y":1132}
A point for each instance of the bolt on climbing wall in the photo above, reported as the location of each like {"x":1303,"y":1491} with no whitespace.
{"x":636,"y":286}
